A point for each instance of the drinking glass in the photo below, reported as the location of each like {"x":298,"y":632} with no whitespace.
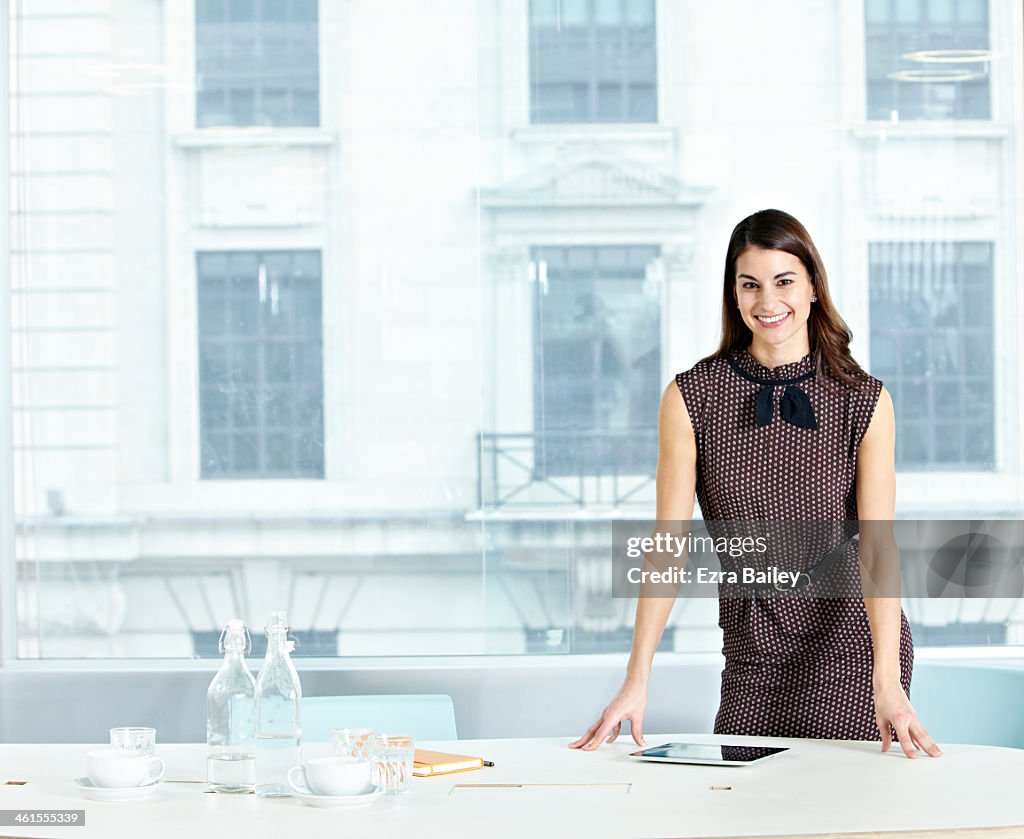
{"x":353,"y":742}
{"x":133,"y":738}
{"x":393,"y":755}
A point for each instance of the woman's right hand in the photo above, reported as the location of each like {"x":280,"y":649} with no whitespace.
{"x":628,"y":704}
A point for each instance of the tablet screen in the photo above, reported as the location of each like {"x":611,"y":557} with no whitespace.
{"x":711,"y":754}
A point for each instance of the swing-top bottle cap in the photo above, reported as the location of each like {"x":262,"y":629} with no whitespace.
{"x":277,"y":622}
{"x":235,"y":638}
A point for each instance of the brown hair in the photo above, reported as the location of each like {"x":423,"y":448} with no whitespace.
{"x":828,"y":333}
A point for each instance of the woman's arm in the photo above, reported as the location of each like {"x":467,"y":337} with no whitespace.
{"x":676,"y":485}
{"x":879,"y":558}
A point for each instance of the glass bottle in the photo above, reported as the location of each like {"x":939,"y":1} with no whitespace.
{"x":278,"y":706}
{"x":231,"y":716}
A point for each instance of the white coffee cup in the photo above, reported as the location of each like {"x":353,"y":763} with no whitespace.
{"x":331,"y":776}
{"x":120,"y":769}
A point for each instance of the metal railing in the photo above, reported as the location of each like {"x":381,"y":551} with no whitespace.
{"x":603,"y":468}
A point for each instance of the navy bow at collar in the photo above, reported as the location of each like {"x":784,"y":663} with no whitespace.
{"x":795,"y":405}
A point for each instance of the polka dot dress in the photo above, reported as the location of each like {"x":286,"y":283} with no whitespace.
{"x":795,"y":666}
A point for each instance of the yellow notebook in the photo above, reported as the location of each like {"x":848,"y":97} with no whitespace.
{"x":426,"y":762}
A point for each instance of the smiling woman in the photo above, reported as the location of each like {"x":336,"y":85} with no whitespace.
{"x":781,"y":424}
{"x":775,"y":294}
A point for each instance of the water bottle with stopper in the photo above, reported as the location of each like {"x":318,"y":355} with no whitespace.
{"x":278,"y":704}
{"x":231,"y":716}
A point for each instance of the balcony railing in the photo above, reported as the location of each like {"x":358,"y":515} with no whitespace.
{"x":567,"y":468}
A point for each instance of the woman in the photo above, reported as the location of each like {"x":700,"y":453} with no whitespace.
{"x":782,"y":424}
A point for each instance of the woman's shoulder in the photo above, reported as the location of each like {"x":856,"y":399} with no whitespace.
{"x":703,"y":371}
{"x":863,"y":398}
{"x":697,"y":384}
{"x":866,"y":392}
{"x":858,"y":396}
{"x":857,"y":383}
{"x":865,"y":386}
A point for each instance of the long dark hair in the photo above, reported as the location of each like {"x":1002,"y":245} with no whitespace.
{"x":828,"y":333}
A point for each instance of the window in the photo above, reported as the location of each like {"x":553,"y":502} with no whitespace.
{"x":593,"y":61}
{"x":932,"y":345}
{"x":394,"y":430}
{"x":597,"y":361}
{"x":918,"y":59}
{"x":260,"y":380}
{"x":257,"y":63}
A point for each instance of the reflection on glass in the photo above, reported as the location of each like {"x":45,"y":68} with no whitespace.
{"x":396,"y":374}
{"x":901,"y":87}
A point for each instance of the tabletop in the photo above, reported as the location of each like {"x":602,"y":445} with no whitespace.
{"x":540,"y":787}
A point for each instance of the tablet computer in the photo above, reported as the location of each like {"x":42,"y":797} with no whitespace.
{"x":710,"y":754}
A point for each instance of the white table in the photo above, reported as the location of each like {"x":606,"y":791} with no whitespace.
{"x":818,"y":787}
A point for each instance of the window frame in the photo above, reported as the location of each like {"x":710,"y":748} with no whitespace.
{"x":8,"y":561}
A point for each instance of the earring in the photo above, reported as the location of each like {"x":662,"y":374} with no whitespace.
{"x":814,"y":299}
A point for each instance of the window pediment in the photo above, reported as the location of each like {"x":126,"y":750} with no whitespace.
{"x":593,"y":181}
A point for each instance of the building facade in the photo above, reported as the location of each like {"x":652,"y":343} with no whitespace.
{"x":364,"y":311}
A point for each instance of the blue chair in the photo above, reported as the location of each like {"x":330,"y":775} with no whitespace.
{"x":970,"y":703}
{"x":426,"y":716}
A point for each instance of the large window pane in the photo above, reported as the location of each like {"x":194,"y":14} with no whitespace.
{"x":597,"y":362}
{"x":931,"y":343}
{"x":257,"y":63}
{"x":398,"y":375}
{"x":263,"y":312}
{"x":593,"y":61}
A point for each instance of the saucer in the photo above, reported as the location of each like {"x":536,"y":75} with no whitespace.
{"x":311,"y":799}
{"x":96,"y":793}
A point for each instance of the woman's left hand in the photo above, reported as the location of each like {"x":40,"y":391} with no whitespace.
{"x":892,"y":707}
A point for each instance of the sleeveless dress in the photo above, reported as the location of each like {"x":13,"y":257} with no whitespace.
{"x":794,"y":666}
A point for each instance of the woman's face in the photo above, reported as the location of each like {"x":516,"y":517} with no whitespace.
{"x":774,"y":294}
